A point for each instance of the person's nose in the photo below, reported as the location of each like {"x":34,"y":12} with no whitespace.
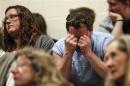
{"x":109,"y":63}
{"x":14,"y":71}
{"x":8,"y":21}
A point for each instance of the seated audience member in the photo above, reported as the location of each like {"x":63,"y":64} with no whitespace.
{"x":118,"y":21}
{"x":79,"y":56}
{"x":20,"y":30}
{"x":42,"y":25}
{"x":36,"y":68}
{"x":117,"y":59}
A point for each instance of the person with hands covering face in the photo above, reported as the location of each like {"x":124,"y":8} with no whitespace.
{"x":79,"y":56}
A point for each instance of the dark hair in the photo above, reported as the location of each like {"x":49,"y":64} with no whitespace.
{"x":81,"y":15}
{"x":41,"y":23}
{"x":28,"y":29}
{"x":124,"y":1}
{"x":1,"y":37}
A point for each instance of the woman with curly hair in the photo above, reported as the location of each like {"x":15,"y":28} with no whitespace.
{"x":36,"y":68}
{"x":20,"y":30}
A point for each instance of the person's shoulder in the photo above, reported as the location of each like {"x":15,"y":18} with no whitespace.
{"x":59,"y":43}
{"x":59,"y":46}
{"x":45,"y":37}
{"x":106,"y":23}
{"x":61,"y":40}
{"x":101,"y":34}
{"x":107,"y":20}
{"x":8,"y":54}
{"x":100,"y":37}
{"x":99,"y":42}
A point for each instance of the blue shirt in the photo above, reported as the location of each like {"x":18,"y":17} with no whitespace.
{"x":82,"y":72}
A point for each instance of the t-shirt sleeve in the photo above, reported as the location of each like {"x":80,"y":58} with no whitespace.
{"x":105,"y":42}
{"x":59,"y":47}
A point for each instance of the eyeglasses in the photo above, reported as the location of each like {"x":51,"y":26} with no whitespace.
{"x":11,"y":18}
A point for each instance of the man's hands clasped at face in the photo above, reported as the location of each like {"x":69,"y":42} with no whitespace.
{"x":78,"y":37}
{"x":85,"y":44}
{"x":70,"y":43}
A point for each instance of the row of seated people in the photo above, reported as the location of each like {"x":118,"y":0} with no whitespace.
{"x":79,"y":57}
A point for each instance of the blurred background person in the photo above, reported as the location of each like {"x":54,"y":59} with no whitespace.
{"x":118,"y":21}
{"x":40,"y":21}
{"x":117,"y":59}
{"x":36,"y":68}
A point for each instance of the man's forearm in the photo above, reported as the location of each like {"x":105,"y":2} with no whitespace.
{"x":67,"y":66}
{"x":97,"y":65}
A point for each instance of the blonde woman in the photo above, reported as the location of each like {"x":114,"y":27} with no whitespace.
{"x":117,"y":59}
{"x":36,"y":68}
